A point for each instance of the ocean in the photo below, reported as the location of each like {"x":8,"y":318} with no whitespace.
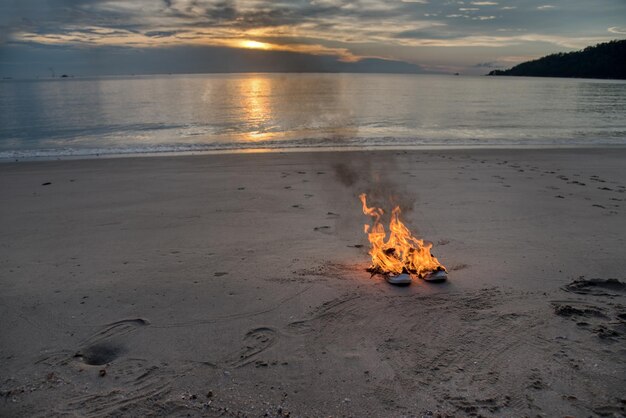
{"x":241,"y":112}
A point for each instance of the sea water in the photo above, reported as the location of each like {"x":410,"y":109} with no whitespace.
{"x":193,"y":113}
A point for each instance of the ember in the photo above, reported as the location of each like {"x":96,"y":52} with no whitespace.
{"x":401,"y":252}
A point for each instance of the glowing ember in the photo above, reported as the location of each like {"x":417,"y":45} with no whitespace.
{"x":401,"y":252}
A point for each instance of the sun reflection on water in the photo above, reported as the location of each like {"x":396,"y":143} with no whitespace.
{"x":257,"y":109}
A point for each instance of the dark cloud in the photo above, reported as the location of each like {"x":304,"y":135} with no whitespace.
{"x":160,"y":33}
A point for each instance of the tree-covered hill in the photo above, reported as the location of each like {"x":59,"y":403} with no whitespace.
{"x":607,"y":60}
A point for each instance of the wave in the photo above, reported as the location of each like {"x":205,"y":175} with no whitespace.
{"x":330,"y":143}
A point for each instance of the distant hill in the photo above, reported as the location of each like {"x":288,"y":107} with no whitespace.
{"x":19,"y":62}
{"x":607,"y":60}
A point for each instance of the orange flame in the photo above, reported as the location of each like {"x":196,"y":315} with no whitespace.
{"x":399,"y":253}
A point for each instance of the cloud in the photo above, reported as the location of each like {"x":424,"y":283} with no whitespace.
{"x":347,"y":29}
{"x":493,"y":41}
{"x":161,"y":33}
{"x":490,"y":64}
{"x":93,"y":37}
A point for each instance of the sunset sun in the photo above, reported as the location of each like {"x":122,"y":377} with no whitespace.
{"x":254,"y":45}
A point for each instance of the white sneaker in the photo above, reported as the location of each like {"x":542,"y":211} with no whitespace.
{"x":436,"y":276}
{"x":400,"y":279}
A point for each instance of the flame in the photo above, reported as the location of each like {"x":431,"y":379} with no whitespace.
{"x":399,"y":253}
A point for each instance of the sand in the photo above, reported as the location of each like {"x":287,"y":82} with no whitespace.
{"x":235,"y":285}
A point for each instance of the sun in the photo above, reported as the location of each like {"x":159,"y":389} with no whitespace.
{"x":254,"y":45}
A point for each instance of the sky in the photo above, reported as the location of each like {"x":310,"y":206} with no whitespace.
{"x":98,"y":37}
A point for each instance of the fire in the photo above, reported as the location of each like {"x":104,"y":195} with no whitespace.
{"x":401,"y":252}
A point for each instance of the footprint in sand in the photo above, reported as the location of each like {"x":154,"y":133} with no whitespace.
{"x":134,"y":388}
{"x":605,"y":319}
{"x":596,"y":287}
{"x":126,"y":386}
{"x":100,"y":353}
{"x":575,"y":309}
{"x":593,"y":318}
{"x":255,"y":342}
{"x":105,"y":345}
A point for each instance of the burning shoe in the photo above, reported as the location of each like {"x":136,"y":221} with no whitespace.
{"x":401,"y":279}
{"x":435,"y":276}
{"x":400,"y":255}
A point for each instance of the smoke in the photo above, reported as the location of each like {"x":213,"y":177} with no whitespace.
{"x":376,"y":174}
{"x":345,"y":174}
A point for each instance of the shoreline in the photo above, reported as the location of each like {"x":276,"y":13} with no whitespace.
{"x":320,"y":149}
{"x":235,"y":284}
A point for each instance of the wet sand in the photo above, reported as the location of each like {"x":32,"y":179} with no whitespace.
{"x":235,"y":285}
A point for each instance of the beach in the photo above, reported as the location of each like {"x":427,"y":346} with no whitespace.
{"x":236,"y":285}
